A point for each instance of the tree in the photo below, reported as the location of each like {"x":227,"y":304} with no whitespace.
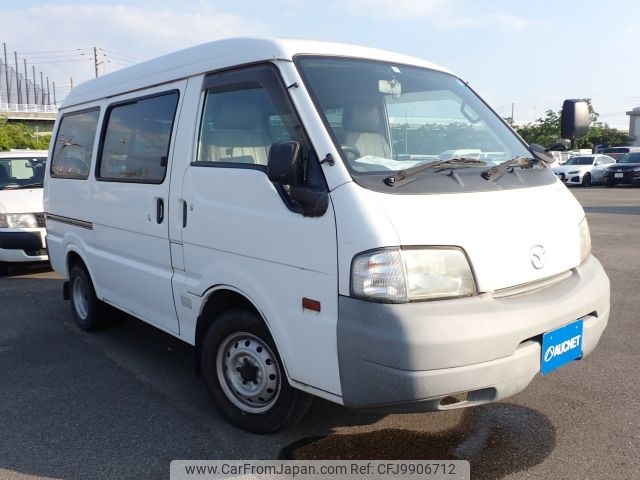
{"x":544,"y":131}
{"x":18,"y":135}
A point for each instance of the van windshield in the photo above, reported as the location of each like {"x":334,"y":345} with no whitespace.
{"x":21,"y":172}
{"x":388,"y":117}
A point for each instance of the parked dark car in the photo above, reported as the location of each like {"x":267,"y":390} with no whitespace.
{"x":626,"y":171}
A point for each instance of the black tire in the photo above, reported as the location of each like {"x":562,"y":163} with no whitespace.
{"x":240,"y":337}
{"x":88,"y":312}
{"x":586,"y":180}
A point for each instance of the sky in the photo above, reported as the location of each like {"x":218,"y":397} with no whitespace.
{"x":532,"y":54}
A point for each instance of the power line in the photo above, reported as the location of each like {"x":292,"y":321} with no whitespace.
{"x":124,"y":55}
{"x":54,"y":51}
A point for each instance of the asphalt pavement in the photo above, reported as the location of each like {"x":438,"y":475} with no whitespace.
{"x":124,"y":402}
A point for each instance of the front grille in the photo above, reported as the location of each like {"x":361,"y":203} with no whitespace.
{"x":40,"y":220}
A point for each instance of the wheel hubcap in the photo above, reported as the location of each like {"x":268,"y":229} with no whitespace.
{"x":248,"y":372}
{"x":80,"y":298}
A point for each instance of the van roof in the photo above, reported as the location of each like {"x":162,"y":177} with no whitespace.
{"x":217,"y":55}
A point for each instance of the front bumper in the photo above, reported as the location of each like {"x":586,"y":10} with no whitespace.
{"x":409,"y":357}
{"x":628,"y":177}
{"x":23,"y":246}
{"x":570,"y":179}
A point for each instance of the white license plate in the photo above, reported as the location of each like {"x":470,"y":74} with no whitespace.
{"x":618,"y":175}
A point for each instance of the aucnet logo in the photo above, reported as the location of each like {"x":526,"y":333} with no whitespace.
{"x":555,"y":350}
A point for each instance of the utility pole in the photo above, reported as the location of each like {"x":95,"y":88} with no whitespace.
{"x":26,"y":79}
{"x":6,"y":73}
{"x":55,"y":102}
{"x":95,"y":60}
{"x":35,"y":87}
{"x":41,"y":89}
{"x":48,"y":93}
{"x":71,"y":84}
{"x":15,"y":56}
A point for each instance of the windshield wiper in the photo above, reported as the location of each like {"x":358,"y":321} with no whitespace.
{"x":392,"y":180}
{"x":522,"y":162}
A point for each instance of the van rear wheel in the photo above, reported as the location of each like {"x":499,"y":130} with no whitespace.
{"x":244,"y":374}
{"x":88,"y":311}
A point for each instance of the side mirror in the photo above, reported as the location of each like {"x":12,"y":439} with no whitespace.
{"x":284,"y":165}
{"x":575,"y":119}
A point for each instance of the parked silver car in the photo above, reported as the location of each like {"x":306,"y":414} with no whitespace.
{"x":583,"y":170}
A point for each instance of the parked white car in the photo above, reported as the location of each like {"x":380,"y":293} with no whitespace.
{"x":583,"y":170}
{"x":22,"y":228}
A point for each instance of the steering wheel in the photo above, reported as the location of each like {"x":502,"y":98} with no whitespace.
{"x":351,"y":152}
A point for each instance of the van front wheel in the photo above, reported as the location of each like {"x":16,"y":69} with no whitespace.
{"x":87,"y":309}
{"x":245,"y":376}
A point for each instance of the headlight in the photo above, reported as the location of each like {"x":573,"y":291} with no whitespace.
{"x":18,"y":220}
{"x":401,"y":275}
{"x":637,"y":169}
{"x":585,"y":240}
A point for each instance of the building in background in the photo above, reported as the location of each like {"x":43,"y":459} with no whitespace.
{"x":634,"y":126}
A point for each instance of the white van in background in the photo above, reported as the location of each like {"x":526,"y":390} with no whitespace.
{"x":265,"y":201}
{"x":22,"y":228}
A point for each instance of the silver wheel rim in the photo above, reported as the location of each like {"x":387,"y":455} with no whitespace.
{"x":248,"y":372}
{"x":80,"y":297}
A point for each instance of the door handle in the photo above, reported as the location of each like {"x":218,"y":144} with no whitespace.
{"x":159,"y":210}
{"x":184,"y":214}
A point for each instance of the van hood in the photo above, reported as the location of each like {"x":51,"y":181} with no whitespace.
{"x":21,"y":201}
{"x":498,"y":230}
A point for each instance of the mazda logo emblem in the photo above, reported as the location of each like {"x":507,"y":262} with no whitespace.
{"x":537,"y":256}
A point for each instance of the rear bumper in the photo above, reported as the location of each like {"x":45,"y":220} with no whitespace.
{"x":22,"y":246}
{"x":409,"y":357}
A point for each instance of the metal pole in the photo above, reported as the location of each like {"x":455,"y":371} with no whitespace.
{"x":6,"y":73}
{"x":41,"y":89}
{"x":48,"y":93}
{"x":26,"y":79}
{"x":35,"y":86}
{"x":55,"y":102}
{"x":71,"y":83}
{"x":15,"y":55}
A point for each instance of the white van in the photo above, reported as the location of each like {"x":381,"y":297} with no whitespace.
{"x":267,"y":202}
{"x":22,"y":228}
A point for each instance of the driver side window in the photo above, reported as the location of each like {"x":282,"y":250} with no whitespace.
{"x":240,"y":125}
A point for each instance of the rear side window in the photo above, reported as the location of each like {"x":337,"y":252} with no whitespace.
{"x":74,"y":145}
{"x":136,"y":138}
